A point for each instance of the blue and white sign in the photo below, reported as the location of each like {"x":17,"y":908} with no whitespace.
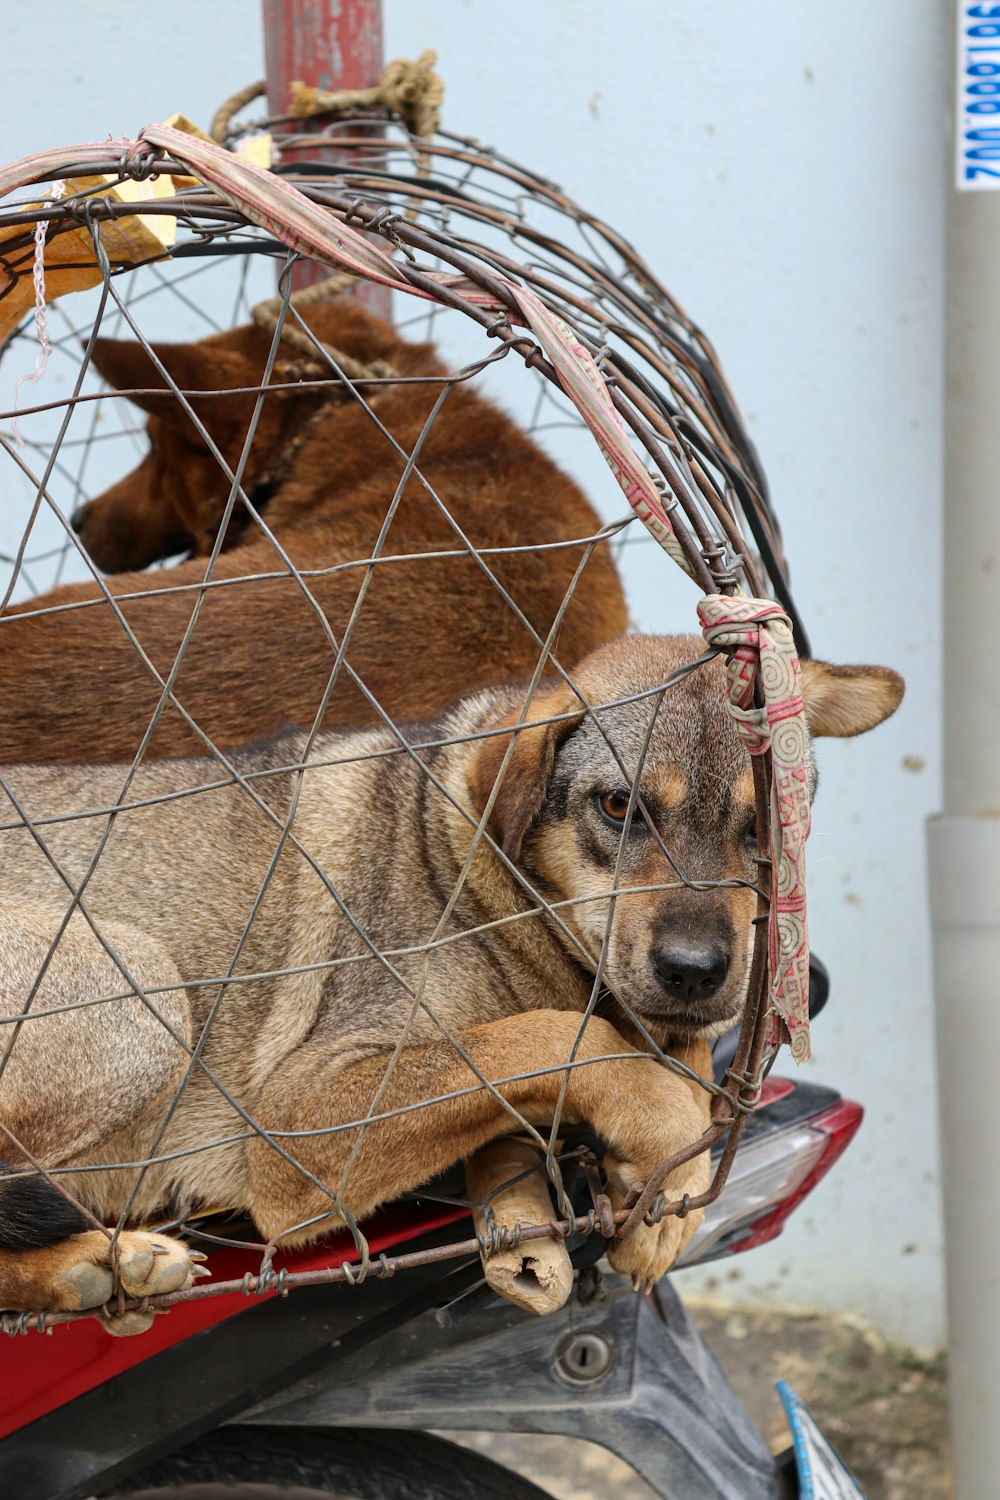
{"x":820,"y":1473}
{"x":977,"y":97}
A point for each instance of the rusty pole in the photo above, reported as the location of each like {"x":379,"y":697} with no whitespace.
{"x":329,"y":44}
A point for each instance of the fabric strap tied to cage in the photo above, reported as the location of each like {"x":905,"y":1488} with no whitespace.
{"x":757,"y":634}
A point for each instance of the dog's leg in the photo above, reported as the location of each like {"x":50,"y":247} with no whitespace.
{"x":642,"y":1109}
{"x":650,"y":1250}
{"x":82,"y":1067}
{"x":89,"y":1057}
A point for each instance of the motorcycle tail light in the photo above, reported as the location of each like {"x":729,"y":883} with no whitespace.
{"x":768,"y":1180}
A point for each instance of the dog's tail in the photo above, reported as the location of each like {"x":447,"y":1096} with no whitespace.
{"x":34,"y":1214}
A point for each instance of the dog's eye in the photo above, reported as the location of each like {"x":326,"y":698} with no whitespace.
{"x":612,"y":807}
{"x":750,"y":836}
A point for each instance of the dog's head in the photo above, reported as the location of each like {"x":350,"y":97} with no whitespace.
{"x":679,"y":936}
{"x":173,"y":500}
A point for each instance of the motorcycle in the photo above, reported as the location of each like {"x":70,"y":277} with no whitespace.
{"x":336,"y":1390}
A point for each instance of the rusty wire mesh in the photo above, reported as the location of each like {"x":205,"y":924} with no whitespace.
{"x":456,"y":205}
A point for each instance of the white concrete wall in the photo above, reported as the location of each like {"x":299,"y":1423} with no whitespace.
{"x":782,"y":167}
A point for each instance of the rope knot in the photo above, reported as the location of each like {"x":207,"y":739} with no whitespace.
{"x":757,"y":634}
{"x":415,"y":92}
{"x":411,"y":90}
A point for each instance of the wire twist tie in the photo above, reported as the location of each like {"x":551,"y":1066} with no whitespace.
{"x":753,"y":1088}
{"x":656,"y":1211}
{"x":357,"y":1275}
{"x":386,"y":1269}
{"x":138,"y":161}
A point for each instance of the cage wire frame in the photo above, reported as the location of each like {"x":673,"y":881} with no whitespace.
{"x":449,"y":203}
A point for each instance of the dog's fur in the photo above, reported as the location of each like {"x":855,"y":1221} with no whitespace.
{"x":323,"y":474}
{"x":177,"y":879}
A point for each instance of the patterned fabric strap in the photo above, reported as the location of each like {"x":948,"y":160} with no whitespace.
{"x":757,"y":635}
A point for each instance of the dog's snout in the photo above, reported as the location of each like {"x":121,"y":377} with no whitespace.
{"x":690,"y":972}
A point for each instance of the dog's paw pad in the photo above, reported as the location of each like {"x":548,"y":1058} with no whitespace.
{"x":128,"y":1324}
{"x":81,"y":1286}
{"x":151,"y":1264}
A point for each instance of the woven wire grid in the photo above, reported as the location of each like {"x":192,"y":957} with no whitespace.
{"x":475,"y":212}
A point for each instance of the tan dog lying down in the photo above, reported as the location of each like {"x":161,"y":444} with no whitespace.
{"x":379,"y":838}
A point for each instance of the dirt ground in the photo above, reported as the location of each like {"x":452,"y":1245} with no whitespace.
{"x":883,"y":1408}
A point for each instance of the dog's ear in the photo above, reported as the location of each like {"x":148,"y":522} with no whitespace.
{"x":845,"y":701}
{"x":127,"y":366}
{"x":525,"y":781}
{"x":192,"y":367}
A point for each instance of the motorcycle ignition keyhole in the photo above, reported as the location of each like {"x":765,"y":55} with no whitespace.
{"x":582,"y":1357}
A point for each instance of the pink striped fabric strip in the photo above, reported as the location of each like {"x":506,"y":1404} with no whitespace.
{"x":759,"y":635}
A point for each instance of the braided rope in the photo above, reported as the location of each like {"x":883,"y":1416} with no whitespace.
{"x":266,"y":316}
{"x":41,"y":312}
{"x":219,"y":127}
{"x":411,"y":90}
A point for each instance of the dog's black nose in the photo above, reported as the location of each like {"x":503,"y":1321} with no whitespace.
{"x":691,"y":971}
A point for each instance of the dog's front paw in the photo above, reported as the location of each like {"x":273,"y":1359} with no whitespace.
{"x":658,"y":1115}
{"x":649,"y":1250}
{"x":80,"y":1276}
{"x":151,"y":1264}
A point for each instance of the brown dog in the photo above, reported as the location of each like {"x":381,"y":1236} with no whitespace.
{"x":323,"y":471}
{"x":300,"y":962}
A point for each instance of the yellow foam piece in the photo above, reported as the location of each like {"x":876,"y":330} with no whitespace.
{"x":70,"y":262}
{"x":181,"y":122}
{"x":253,"y":148}
{"x":257,"y":149}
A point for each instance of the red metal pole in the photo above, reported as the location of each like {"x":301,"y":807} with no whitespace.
{"x":328,"y":44}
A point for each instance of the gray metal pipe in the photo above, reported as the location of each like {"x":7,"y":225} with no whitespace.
{"x":964,"y":843}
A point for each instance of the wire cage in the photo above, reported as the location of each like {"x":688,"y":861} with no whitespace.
{"x":337,"y":531}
